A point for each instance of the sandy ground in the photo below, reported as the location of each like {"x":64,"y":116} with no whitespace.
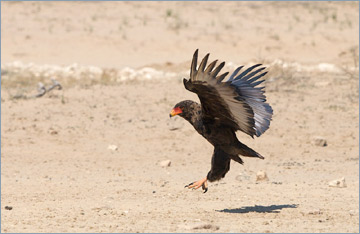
{"x":58,"y":174}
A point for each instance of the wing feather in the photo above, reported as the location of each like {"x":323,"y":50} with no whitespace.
{"x":194,"y":64}
{"x":235,"y":73}
{"x":221,"y":77}
{"x":238,"y":102}
{"x":203,"y":63}
{"x":210,"y":67}
{"x":246,"y":72}
{"x":217,"y":69}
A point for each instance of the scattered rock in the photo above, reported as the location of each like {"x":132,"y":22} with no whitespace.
{"x":54,"y":132}
{"x":340,"y":183}
{"x":242,"y":177}
{"x":8,"y":207}
{"x":291,"y":164}
{"x":165,"y":163}
{"x":164,"y":183}
{"x":198,"y":225}
{"x":319,"y":141}
{"x":354,"y":212}
{"x":113,"y":147}
{"x":261,"y":176}
{"x":327,"y":67}
{"x":207,"y":226}
{"x":315,"y":212}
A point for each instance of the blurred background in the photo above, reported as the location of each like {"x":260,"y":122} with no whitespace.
{"x":101,"y":155}
{"x":135,"y":34}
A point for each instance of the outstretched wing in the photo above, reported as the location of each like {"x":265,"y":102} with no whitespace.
{"x":238,"y":102}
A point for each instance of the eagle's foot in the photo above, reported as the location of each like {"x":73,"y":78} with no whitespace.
{"x":200,"y":183}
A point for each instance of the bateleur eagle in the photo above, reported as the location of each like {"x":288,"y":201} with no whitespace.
{"x":227,"y":105}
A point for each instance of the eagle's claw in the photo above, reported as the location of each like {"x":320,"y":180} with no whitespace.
{"x":201,"y":183}
{"x":205,"y":188}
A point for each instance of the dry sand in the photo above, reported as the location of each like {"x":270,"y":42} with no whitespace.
{"x":58,"y":174}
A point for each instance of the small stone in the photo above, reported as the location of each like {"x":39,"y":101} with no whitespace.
{"x":165,"y":163}
{"x":315,"y":212}
{"x":353,"y":212}
{"x":319,"y":141}
{"x":205,"y":226}
{"x":164,"y":183}
{"x":198,"y":225}
{"x":340,"y":183}
{"x":113,"y":147}
{"x":8,"y":207}
{"x":242,"y":177}
{"x":261,"y":176}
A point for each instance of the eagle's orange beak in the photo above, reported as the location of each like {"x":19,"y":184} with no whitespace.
{"x":175,"y":111}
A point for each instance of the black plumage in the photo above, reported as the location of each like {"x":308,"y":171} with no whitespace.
{"x":227,"y":105}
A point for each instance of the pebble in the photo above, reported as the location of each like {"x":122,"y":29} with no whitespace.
{"x":205,"y":226}
{"x":8,"y":207}
{"x":339,"y":183}
{"x":315,"y":212}
{"x":242,"y":177}
{"x":353,"y":212}
{"x":165,"y":163}
{"x":261,"y":176}
{"x":319,"y":141}
{"x":113,"y":147}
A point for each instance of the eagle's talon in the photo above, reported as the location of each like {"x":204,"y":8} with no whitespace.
{"x":186,"y":186}
{"x":204,"y":186}
{"x":195,"y":185}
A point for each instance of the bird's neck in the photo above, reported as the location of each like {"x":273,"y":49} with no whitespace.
{"x":194,"y":117}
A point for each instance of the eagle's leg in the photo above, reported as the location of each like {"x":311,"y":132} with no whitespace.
{"x":200,"y":183}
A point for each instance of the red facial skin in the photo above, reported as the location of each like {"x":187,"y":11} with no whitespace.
{"x":175,"y":111}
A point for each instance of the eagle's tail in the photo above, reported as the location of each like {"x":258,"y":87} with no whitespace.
{"x":248,"y":152}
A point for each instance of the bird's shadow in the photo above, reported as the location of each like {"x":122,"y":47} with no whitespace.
{"x":259,"y":209}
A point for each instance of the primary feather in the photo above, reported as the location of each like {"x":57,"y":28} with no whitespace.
{"x":238,"y":102}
